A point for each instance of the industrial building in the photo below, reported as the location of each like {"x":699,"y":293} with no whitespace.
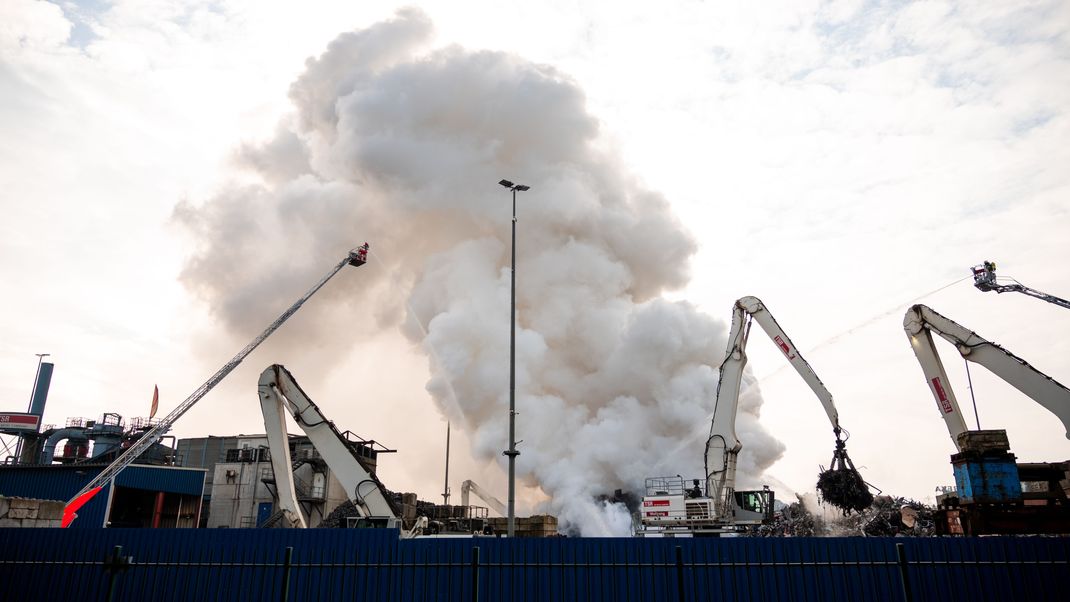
{"x":240,"y":491}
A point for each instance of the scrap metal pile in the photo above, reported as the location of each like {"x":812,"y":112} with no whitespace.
{"x":887,"y":517}
{"x":337,"y":518}
{"x":841,"y":485}
{"x":793,"y":520}
{"x":894,"y":517}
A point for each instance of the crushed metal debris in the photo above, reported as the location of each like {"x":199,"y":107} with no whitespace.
{"x":887,"y":516}
{"x":845,"y":489}
{"x":841,"y":485}
{"x":896,"y":517}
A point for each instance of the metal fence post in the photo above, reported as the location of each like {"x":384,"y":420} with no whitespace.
{"x":475,"y":574}
{"x":904,"y":578}
{"x":680,"y":574}
{"x":114,"y":564}
{"x":287,"y":562}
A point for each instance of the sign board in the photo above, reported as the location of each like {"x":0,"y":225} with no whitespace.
{"x":18,"y":423}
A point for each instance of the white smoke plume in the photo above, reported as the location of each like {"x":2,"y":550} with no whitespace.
{"x":403,"y":144}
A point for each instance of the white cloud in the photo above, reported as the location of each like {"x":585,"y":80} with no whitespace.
{"x":29,"y":25}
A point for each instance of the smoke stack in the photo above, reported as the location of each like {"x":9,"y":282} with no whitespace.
{"x":40,"y":391}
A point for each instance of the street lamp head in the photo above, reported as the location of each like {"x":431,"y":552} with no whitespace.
{"x":514,"y":187}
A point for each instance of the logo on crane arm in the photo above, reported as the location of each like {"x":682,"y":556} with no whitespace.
{"x":783,"y":347}
{"x":945,"y":405}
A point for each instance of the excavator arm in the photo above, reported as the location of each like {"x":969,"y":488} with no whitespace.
{"x":921,"y":321}
{"x":280,"y":393}
{"x":483,"y":494}
{"x":723,"y":446}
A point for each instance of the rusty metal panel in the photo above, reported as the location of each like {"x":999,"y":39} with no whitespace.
{"x":987,"y":480}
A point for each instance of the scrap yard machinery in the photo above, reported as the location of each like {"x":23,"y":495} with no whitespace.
{"x":984,"y":278}
{"x":373,"y":506}
{"x":673,"y":508}
{"x":494,"y":503}
{"x":355,"y":257}
{"x":990,"y":497}
{"x":280,"y":394}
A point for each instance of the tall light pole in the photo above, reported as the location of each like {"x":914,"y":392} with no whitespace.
{"x":511,"y":452}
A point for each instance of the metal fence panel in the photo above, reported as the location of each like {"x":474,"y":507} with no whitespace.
{"x":341,"y":564}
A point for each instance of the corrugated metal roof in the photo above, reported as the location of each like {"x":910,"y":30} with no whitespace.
{"x":172,"y":479}
{"x":62,"y":482}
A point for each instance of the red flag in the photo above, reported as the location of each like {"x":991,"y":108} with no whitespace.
{"x":155,"y":401}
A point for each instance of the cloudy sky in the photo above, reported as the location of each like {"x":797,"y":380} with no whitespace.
{"x":839,"y":160}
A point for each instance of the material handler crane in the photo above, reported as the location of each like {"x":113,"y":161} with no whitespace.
{"x":989,"y":497}
{"x":483,"y":494}
{"x":280,"y":394}
{"x":670,"y":507}
{"x":920,"y":322}
{"x":356,"y":257}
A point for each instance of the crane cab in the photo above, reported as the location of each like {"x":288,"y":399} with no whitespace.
{"x":754,"y":507}
{"x":677,"y":507}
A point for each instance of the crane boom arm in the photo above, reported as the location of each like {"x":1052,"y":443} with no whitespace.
{"x":356,"y":257}
{"x":920,"y":321}
{"x":722,"y":448}
{"x":278,"y":390}
{"x":483,"y":494}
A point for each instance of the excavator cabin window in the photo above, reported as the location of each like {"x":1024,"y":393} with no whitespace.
{"x":752,"y":501}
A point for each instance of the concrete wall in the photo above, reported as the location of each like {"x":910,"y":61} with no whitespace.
{"x":17,"y":512}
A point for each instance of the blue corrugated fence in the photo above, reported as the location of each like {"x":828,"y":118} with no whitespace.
{"x":342,"y":564}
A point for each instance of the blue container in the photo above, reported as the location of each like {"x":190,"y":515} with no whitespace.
{"x":987,"y":480}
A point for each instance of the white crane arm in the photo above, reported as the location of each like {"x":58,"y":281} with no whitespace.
{"x":920,"y":321}
{"x":483,"y":494}
{"x":755,"y":308}
{"x":722,"y":448}
{"x":278,"y":389}
{"x":272,"y":405}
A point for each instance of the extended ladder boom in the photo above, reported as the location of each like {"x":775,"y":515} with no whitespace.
{"x":984,"y":278}
{"x":356,"y":257}
{"x":722,"y":448}
{"x":920,"y":321}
